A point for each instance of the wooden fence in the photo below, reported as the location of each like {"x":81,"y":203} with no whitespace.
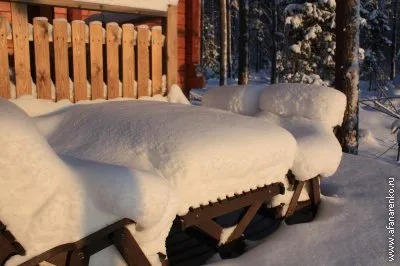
{"x":78,"y":61}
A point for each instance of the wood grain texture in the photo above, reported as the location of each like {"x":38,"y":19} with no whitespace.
{"x":79,"y":60}
{"x":42,"y":58}
{"x":143,"y":61}
{"x":21,"y":49}
{"x":156,"y":60}
{"x":96,"y":60}
{"x":60,"y":31}
{"x":4,"y":64}
{"x":128,"y":61}
{"x":112,"y":60}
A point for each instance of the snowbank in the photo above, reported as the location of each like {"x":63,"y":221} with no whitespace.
{"x":317,"y":103}
{"x":318,"y":150}
{"x":205,"y":153}
{"x":46,"y":201}
{"x":237,"y":99}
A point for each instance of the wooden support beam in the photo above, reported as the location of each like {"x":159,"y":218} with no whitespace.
{"x":172,"y":46}
{"x":295,"y":198}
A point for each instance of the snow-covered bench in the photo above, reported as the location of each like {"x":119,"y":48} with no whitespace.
{"x":217,"y":163}
{"x":47,"y":201}
{"x":309,"y":113}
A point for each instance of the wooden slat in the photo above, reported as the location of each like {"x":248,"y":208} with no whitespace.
{"x":172,"y":46}
{"x":128,"y":60}
{"x":295,"y":198}
{"x":79,"y":60}
{"x":60,"y":32}
{"x":143,"y":61}
{"x":211,"y":228}
{"x":156,"y":60}
{"x":112,"y":61}
{"x":4,"y":65}
{"x":21,"y":49}
{"x":96,"y":60}
{"x":315,"y":190}
{"x":42,"y":57}
{"x":245,"y":221}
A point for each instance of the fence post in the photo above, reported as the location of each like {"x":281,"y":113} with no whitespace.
{"x":156,"y":59}
{"x":143,"y":61}
{"x":172,"y":46}
{"x":128,"y":60}
{"x":4,"y":71}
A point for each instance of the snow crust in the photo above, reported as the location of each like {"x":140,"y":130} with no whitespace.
{"x":205,"y":153}
{"x":316,"y":103}
{"x":47,"y":200}
{"x":237,"y":99}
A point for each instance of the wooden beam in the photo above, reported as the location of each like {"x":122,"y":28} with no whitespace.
{"x":61,"y":62}
{"x":94,"y":6}
{"x":128,"y":61}
{"x":79,"y":60}
{"x":172,"y":46}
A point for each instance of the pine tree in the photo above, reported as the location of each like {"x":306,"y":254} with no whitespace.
{"x":223,"y":80}
{"x":243,"y":69}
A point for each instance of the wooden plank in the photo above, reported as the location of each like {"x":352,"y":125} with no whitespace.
{"x":96,"y":60}
{"x":156,"y":60}
{"x":42,"y":57}
{"x":21,"y":49}
{"x":245,"y":221}
{"x":79,"y":60}
{"x":4,"y":65}
{"x":95,"y":6}
{"x":112,"y":61}
{"x":295,"y":198}
{"x":172,"y":46}
{"x":211,"y":228}
{"x":60,"y":38}
{"x":128,"y":61}
{"x":315,"y":190}
{"x":143,"y":61}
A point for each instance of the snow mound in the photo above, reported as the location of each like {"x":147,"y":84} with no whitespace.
{"x":314,"y":102}
{"x":237,"y":99}
{"x":47,"y":201}
{"x":318,"y":151}
{"x":205,"y":153}
{"x":367,"y":137}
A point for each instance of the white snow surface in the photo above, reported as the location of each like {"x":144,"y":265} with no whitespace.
{"x":205,"y":153}
{"x":314,"y":102}
{"x":47,"y":201}
{"x":318,"y":150}
{"x":237,"y":99}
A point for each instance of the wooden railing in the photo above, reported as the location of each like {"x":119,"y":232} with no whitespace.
{"x":78,"y":61}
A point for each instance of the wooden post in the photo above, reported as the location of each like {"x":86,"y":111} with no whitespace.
{"x":60,"y":40}
{"x":172,"y":46}
{"x":22,"y":57}
{"x":128,"y":60}
{"x":4,"y":71}
{"x":42,"y":57}
{"x":143,"y":61}
{"x":96,"y":60}
{"x":112,"y":61}
{"x":79,"y":60}
{"x":156,"y":59}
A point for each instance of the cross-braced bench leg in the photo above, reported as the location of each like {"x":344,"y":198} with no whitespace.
{"x":304,"y":211}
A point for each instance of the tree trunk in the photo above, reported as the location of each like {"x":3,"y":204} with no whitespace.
{"x":229,"y":26}
{"x":274,"y":74}
{"x":243,"y":70}
{"x":224,"y":40}
{"x":202,"y":46}
{"x":347,"y":70}
{"x":394,"y":39}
